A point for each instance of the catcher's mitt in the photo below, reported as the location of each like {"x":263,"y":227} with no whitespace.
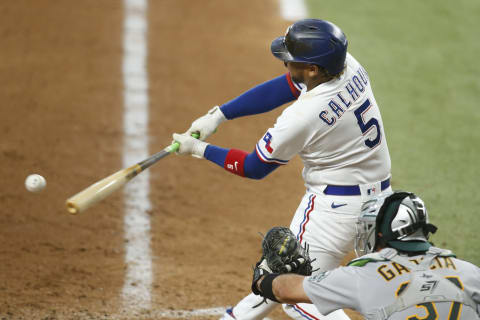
{"x":282,"y":253}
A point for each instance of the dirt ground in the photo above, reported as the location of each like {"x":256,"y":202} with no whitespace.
{"x":61,"y":116}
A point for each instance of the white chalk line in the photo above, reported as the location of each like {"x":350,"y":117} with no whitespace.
{"x":136,"y":292}
{"x":293,"y":10}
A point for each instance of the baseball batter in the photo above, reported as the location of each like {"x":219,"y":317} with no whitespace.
{"x":404,"y":279}
{"x":335,"y":127}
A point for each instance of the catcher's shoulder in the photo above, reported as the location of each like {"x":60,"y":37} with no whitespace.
{"x":363,"y":260}
{"x":388,"y":253}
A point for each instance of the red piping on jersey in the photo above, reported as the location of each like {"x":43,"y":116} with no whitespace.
{"x":234,"y":161}
{"x":306,"y":219}
{"x":294,"y":89}
{"x":261,"y":157}
{"x":305,"y":312}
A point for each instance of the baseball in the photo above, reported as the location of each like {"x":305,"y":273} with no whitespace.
{"x":35,"y":183}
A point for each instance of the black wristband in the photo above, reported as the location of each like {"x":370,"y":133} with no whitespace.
{"x":266,"y":287}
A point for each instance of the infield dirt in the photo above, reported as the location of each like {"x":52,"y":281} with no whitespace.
{"x":61,"y":116}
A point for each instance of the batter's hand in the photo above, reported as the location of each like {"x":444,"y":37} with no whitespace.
{"x":206,"y":125}
{"x":190,"y":145}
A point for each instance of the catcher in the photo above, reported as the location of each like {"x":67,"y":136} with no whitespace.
{"x":402,"y":276}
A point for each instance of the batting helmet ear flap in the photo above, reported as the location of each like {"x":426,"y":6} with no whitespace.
{"x":396,"y":198}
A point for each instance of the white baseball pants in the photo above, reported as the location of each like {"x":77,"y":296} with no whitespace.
{"x":327,"y":223}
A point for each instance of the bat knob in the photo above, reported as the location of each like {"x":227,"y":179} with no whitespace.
{"x":72,"y":208}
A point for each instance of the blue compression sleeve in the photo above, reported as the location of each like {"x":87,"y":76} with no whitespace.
{"x":256,"y":169}
{"x":215,"y":154}
{"x":253,"y":167}
{"x":262,"y":98}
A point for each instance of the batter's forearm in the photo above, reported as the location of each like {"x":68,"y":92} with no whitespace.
{"x":262,"y":98}
{"x":239,"y":162}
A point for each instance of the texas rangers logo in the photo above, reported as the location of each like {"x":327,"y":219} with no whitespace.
{"x":371,"y":191}
{"x":268,"y":139}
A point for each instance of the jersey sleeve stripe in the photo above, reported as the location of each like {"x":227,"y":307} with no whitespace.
{"x":293,"y":87}
{"x":264,"y":158}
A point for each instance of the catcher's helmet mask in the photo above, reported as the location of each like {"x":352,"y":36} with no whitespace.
{"x":398,"y":220}
{"x":313,"y":41}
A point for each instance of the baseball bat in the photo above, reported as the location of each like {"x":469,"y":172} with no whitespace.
{"x":103,"y":188}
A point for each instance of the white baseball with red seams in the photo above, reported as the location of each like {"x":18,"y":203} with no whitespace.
{"x":35,"y":183}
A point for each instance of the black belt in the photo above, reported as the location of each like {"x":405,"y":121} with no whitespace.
{"x":350,"y":190}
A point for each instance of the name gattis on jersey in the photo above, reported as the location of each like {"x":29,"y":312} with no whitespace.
{"x":391,"y":270}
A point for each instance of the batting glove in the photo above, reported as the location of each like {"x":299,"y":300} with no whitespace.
{"x":190,"y":145}
{"x":206,"y":125}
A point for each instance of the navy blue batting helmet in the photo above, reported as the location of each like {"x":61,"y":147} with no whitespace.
{"x":313,"y":41}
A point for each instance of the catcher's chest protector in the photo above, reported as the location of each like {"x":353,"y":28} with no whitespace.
{"x":425,"y":285}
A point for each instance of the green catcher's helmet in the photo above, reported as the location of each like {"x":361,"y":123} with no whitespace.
{"x":398,"y":220}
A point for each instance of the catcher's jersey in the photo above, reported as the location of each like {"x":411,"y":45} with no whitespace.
{"x":337,"y":130}
{"x":376,"y":284}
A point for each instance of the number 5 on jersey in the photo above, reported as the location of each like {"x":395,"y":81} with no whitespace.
{"x":365,"y":127}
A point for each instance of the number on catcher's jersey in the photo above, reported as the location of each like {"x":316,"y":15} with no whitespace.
{"x":365,"y":127}
{"x":430,"y":308}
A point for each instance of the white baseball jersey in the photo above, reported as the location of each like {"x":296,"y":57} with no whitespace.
{"x":377,"y":283}
{"x":337,"y":130}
